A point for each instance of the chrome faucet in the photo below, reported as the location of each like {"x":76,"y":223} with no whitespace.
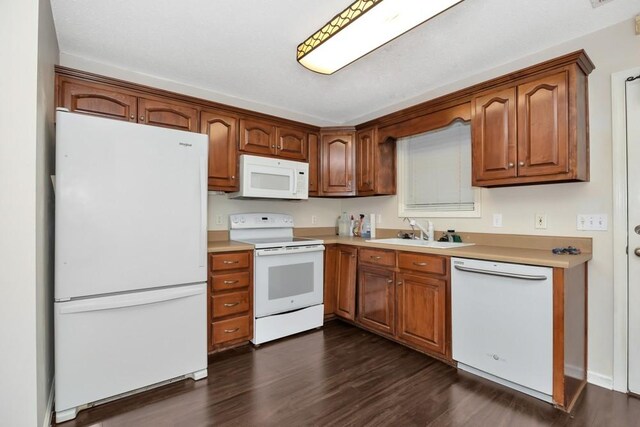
{"x":413,"y":223}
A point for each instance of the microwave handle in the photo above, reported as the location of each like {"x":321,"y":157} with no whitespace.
{"x":295,"y":181}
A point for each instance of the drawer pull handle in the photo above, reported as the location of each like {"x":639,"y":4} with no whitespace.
{"x":229,"y":262}
{"x":231,"y":304}
{"x":230,"y":331}
{"x":420,"y":264}
{"x":230,"y":282}
{"x":376,"y":257}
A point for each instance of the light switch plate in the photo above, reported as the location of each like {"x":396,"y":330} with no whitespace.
{"x":497,"y":220}
{"x":592,"y":222}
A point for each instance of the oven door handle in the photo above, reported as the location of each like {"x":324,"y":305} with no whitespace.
{"x":289,"y":251}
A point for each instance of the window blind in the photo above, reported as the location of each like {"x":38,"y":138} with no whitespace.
{"x":437,"y":167}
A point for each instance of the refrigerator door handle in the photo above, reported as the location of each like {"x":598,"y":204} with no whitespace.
{"x":129,"y":300}
{"x":203,"y":212}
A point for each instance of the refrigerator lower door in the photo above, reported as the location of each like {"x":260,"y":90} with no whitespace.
{"x":115,"y":344}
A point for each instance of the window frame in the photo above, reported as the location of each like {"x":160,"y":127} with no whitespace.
{"x":401,"y":155}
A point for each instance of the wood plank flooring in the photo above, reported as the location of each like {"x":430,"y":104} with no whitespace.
{"x":343,"y":376}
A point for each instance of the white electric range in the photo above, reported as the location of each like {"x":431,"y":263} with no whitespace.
{"x":288,"y":275}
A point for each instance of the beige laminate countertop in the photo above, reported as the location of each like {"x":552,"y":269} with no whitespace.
{"x":485,"y":252}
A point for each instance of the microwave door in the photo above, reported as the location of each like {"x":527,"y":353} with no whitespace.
{"x":266,"y":181}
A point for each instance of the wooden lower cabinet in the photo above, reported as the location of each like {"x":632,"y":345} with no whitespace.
{"x":345,"y":282}
{"x":421,"y":311}
{"x":230,"y":294}
{"x":330,"y":271}
{"x":376,"y":298}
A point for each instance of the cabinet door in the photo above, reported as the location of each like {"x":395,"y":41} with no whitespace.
{"x":494,"y":136}
{"x":97,"y":100}
{"x":291,"y":143}
{"x":257,"y":137}
{"x":376,"y":302}
{"x":336,"y":170}
{"x":330,"y":276}
{"x":223,"y":154}
{"x":365,"y":162}
{"x":543,"y":127}
{"x":168,"y":114}
{"x":314,"y":141}
{"x":346,"y":282}
{"x":421,"y":311}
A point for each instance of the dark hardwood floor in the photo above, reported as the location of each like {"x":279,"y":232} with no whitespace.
{"x":343,"y":376}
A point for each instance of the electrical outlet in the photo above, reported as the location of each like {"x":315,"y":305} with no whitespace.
{"x":497,"y":220}
{"x":218,"y":219}
{"x":541,"y":221}
{"x":592,"y":222}
{"x":314,"y":219}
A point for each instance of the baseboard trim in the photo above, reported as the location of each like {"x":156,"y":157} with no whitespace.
{"x":48,"y":415}
{"x":600,"y":380}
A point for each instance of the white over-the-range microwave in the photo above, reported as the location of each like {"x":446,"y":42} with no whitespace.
{"x":270,"y":178}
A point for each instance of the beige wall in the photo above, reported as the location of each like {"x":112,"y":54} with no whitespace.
{"x":613,"y":49}
{"x":26,"y":282}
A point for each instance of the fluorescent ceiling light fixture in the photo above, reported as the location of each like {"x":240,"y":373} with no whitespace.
{"x":362,"y":27}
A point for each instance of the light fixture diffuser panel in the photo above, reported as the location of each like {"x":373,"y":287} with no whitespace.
{"x":351,"y":39}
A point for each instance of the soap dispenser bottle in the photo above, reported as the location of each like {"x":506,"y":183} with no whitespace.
{"x":430,"y":232}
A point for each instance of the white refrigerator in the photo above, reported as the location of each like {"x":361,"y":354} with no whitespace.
{"x":130,"y":258}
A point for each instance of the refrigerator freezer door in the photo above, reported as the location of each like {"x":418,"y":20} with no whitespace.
{"x":130,"y":206}
{"x":110,"y":345}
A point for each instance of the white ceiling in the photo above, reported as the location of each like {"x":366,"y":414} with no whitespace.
{"x":246,"y":49}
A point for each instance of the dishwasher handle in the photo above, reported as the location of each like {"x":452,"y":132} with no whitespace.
{"x":501,"y":273}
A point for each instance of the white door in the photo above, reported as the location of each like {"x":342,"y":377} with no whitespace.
{"x":633,"y":160}
{"x":130,"y":206}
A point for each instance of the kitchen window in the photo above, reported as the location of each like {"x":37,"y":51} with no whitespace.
{"x":434,"y":174}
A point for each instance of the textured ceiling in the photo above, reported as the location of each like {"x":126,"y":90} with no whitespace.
{"x":246,"y":49}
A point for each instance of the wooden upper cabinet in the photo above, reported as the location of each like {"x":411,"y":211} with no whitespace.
{"x":337,"y":164}
{"x":376,"y":298}
{"x":257,"y":137}
{"x":314,"y":144}
{"x":168,"y":114}
{"x":222,"y":129}
{"x":291,"y":143}
{"x":375,"y":164}
{"x":97,"y":100}
{"x":365,"y":161}
{"x":534,"y":129}
{"x":543,"y":133}
{"x":345,"y":282}
{"x":494,"y":136}
{"x":421,"y":302}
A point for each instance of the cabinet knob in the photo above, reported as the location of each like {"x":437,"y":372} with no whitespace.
{"x":520,"y":163}
{"x":233,"y":177}
{"x":399,"y":283}
{"x":132,"y":117}
{"x":273,"y":146}
{"x":389,"y":281}
{"x":142,"y":118}
{"x":511,"y":165}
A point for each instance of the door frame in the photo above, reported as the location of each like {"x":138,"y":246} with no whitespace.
{"x":620,"y":220}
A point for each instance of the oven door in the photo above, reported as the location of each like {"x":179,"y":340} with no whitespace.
{"x":288,"y":279}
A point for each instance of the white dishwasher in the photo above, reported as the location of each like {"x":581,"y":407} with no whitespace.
{"x":502,"y":323}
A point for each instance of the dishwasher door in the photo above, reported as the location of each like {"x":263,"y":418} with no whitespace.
{"x":502,"y":321}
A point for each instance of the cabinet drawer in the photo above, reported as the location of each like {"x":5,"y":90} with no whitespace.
{"x":377,"y":257}
{"x":230,"y":330}
{"x":228,"y":281}
{"x":229,"y":261}
{"x":419,"y":262}
{"x":228,"y":304}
